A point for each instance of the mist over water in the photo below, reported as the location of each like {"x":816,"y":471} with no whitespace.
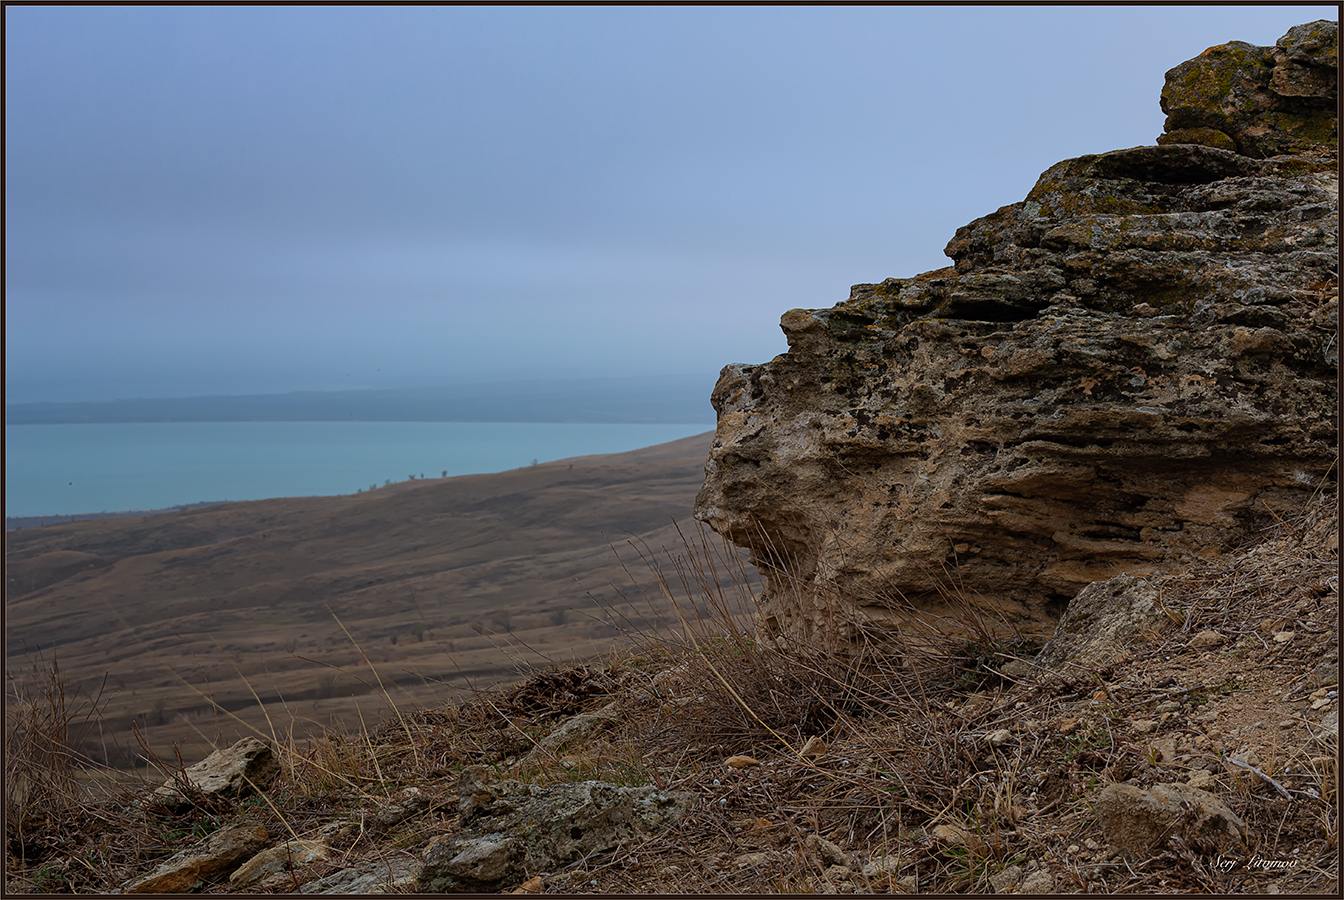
{"x":86,"y":468}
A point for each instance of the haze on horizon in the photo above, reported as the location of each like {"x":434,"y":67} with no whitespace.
{"x":232,"y":200}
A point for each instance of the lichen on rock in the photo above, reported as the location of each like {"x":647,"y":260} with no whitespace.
{"x":1132,"y":368}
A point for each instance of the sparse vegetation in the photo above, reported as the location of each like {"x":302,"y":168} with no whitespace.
{"x":922,"y":772}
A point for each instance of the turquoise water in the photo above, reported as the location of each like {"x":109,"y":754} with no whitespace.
{"x":70,"y":469}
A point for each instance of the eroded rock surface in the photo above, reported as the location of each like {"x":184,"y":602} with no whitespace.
{"x":1132,"y":367}
{"x":513,"y":830}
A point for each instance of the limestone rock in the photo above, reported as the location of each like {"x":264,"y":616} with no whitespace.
{"x":1102,"y":620}
{"x":1005,"y":879}
{"x":1132,"y":366}
{"x":1039,"y":882}
{"x":514,"y":830}
{"x":813,"y":747}
{"x":277,"y":860}
{"x":957,"y":838}
{"x":408,"y":803}
{"x":826,"y":851}
{"x":1140,"y":822}
{"x":1260,"y":101}
{"x":1206,"y":639}
{"x":396,"y":875}
{"x":199,"y":866}
{"x":236,"y":771}
{"x":574,"y":730}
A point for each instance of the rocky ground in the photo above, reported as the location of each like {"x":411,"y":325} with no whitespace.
{"x":1193,"y":749}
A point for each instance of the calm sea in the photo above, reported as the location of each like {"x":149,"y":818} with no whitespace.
{"x":70,"y":469}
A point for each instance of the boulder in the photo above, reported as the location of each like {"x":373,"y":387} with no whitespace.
{"x":1259,"y":101}
{"x":1102,"y":620}
{"x":233,"y":772}
{"x":1133,"y":367}
{"x":512,"y":830}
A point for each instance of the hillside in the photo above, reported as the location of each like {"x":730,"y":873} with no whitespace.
{"x":194,"y":613}
{"x":785,"y":767}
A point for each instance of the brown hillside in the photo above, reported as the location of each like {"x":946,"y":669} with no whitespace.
{"x":289,"y":600}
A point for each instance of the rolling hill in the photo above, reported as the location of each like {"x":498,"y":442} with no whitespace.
{"x":307,"y":613}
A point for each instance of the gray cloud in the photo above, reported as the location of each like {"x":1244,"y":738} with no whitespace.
{"x":239,"y":199}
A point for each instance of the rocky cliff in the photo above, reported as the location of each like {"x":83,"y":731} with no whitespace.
{"x":1132,"y":368}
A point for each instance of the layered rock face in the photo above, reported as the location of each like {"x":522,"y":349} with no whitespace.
{"x":1133,"y":367}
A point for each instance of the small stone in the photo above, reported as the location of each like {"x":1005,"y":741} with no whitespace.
{"x":751,"y":860}
{"x":1319,"y":694}
{"x":407,"y":803}
{"x":1285,"y":724}
{"x":956,"y":837}
{"x":1143,"y":726}
{"x":741,"y":762}
{"x":884,"y":865}
{"x":1282,"y":637}
{"x":1206,"y":639}
{"x":1326,"y":672}
{"x":1005,"y":879}
{"x":1321,"y":703}
{"x":1039,"y":882}
{"x":384,"y":876}
{"x":826,"y":851}
{"x":1202,"y":779}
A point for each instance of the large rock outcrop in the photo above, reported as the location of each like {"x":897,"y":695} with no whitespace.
{"x":1133,"y":367}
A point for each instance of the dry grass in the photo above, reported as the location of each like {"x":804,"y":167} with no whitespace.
{"x":938,"y":773}
{"x":42,"y":785}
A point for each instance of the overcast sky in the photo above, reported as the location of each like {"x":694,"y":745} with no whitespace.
{"x":213,"y":200}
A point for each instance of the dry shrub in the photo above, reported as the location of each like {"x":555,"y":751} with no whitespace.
{"x":733,"y":687}
{"x":43,"y":725}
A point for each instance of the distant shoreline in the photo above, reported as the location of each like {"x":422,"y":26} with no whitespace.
{"x":665,"y":449}
{"x":17,"y":523}
{"x":625,"y":401}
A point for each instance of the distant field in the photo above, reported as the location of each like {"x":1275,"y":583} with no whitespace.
{"x":297,"y":610}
